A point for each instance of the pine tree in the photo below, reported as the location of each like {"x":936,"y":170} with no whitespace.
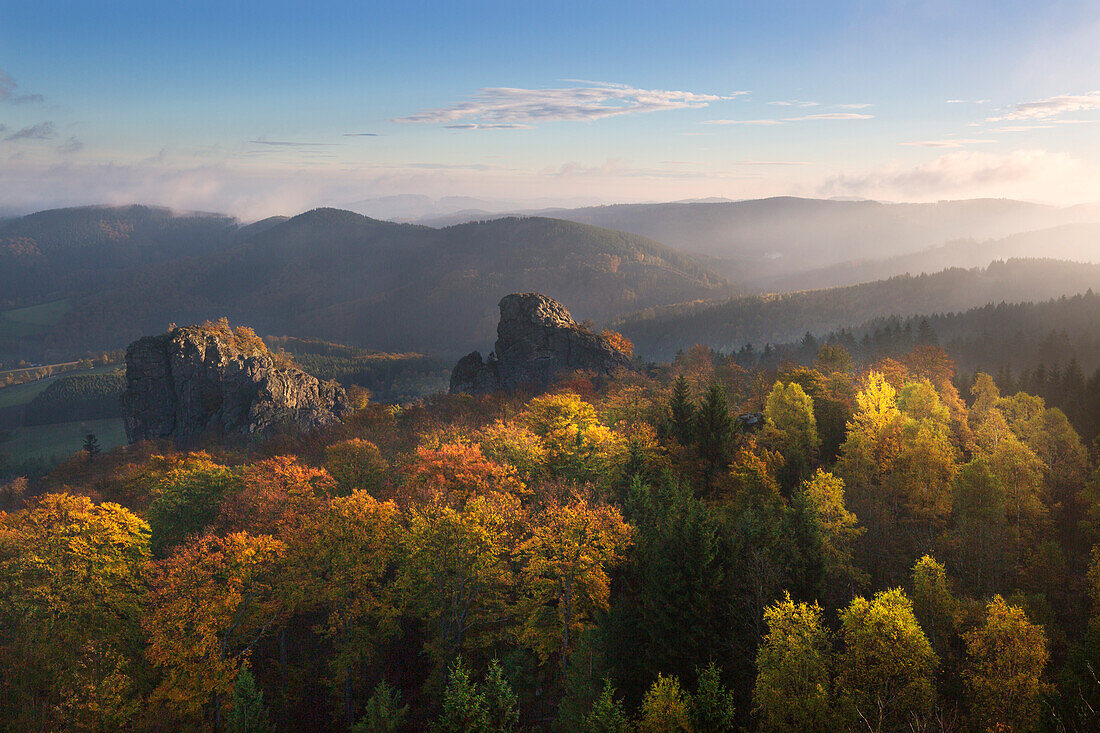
{"x":91,"y":445}
{"x":607,"y":714}
{"x":714,"y":429}
{"x":682,"y":409}
{"x":500,"y":700}
{"x":464,"y":707}
{"x":712,"y":709}
{"x":383,"y":712}
{"x":248,"y":714}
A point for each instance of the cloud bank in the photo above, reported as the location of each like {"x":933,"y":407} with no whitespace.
{"x":1020,"y":173}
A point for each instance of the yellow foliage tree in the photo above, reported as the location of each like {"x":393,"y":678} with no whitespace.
{"x":71,"y":575}
{"x":1006,"y":657}
{"x":566,"y":560}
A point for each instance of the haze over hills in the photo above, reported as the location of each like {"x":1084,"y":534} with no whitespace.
{"x":1076,"y":242}
{"x":658,"y":333}
{"x":393,"y":287}
{"x":405,"y":208}
{"x":344,"y":277}
{"x":756,"y":241}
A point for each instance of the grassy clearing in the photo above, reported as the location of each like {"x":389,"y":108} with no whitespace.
{"x":60,"y":440}
{"x":22,"y":322}
{"x":46,"y":314}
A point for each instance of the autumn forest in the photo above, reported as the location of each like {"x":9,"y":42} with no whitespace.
{"x":693,"y":547}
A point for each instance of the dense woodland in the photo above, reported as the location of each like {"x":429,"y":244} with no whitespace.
{"x":879,"y":552}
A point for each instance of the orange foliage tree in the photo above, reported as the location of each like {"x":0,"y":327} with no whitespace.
{"x":209,"y":603}
{"x":276,"y":495}
{"x":455,"y":473}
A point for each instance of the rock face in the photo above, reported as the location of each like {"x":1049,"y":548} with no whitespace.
{"x":537,"y":342}
{"x":195,"y":386}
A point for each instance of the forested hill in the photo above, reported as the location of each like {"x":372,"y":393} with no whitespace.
{"x":343,"y":277}
{"x":52,"y":254}
{"x":761,"y":239}
{"x":728,"y":326}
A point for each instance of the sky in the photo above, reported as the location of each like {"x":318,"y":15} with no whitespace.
{"x":272,"y":108}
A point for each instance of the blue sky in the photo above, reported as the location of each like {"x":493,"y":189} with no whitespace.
{"x":259,"y":108}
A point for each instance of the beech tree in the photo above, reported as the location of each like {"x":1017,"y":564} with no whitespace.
{"x":1006,"y":657}
{"x":566,"y":563}
{"x":840,"y":531}
{"x":338,"y":566}
{"x":792,"y":429}
{"x":71,"y":575}
{"x":356,"y":464}
{"x":455,"y":572}
{"x":886,"y":669}
{"x":209,"y":602}
{"x":793,"y":667}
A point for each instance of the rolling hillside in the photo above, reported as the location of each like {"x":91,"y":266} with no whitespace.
{"x":658,"y":333}
{"x":51,"y":255}
{"x":343,"y":277}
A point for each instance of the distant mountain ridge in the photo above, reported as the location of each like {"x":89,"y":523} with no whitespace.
{"x":756,"y":241}
{"x":758,"y":320}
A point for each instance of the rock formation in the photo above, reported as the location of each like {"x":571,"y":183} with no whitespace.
{"x":537,"y":343}
{"x":203,"y":384}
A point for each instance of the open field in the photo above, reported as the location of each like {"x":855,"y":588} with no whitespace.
{"x":29,"y":321}
{"x":59,"y":440}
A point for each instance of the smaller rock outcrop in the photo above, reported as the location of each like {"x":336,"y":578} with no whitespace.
{"x":537,"y":343}
{"x":204,"y":384}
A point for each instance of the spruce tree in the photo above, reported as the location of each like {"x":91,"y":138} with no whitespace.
{"x":500,"y":700}
{"x":248,"y":714}
{"x":714,"y":429}
{"x":682,"y":410}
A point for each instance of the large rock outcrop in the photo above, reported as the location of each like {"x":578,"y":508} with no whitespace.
{"x":537,"y":343}
{"x":200,"y":385}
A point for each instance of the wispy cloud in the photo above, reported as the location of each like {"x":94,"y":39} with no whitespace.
{"x":484,"y":126}
{"x":967,"y":101}
{"x":795,"y":103}
{"x":71,"y":146}
{"x":950,"y":143}
{"x":509,"y":106}
{"x":860,"y":105}
{"x":290,"y":143}
{"x":774,"y":162}
{"x":41,"y":131}
{"x":360,"y":134}
{"x":9,"y":91}
{"x":831,"y":116}
{"x":1044,"y":109}
{"x":743,"y":122}
{"x":783,"y":120}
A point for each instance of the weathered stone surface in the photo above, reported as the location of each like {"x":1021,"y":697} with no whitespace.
{"x":195,"y":386}
{"x":537,"y":343}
